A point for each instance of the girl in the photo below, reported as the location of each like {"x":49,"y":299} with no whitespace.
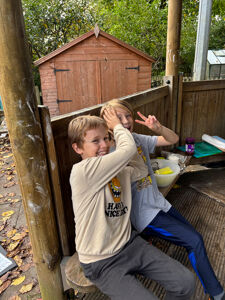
{"x":151,"y":213}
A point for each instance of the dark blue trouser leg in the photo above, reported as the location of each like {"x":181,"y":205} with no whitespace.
{"x":172,"y":226}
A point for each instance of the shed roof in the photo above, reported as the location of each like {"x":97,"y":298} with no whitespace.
{"x":96,"y":31}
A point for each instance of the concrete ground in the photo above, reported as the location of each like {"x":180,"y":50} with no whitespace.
{"x":14,"y":236}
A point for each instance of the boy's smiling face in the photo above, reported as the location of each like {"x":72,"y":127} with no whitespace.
{"x":125,"y":118}
{"x":96,"y":143}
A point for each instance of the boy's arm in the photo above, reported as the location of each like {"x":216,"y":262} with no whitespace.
{"x":166,"y":136}
{"x":139,"y":169}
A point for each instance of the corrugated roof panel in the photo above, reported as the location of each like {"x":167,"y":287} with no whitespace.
{"x":219,"y":52}
{"x":221,"y":59}
{"x":212,"y":59}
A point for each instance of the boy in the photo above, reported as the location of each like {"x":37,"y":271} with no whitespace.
{"x":110,"y":253}
{"x":151,"y":213}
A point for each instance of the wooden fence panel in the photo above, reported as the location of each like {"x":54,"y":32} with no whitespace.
{"x":203,"y":109}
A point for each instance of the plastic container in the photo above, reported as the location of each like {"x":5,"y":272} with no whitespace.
{"x":174,"y":158}
{"x":190,"y":146}
{"x":165,"y":180}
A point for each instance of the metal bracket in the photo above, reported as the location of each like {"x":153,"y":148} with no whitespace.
{"x":58,"y":100}
{"x":61,"y":70}
{"x":133,"y":68}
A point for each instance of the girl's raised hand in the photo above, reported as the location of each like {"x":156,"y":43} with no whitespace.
{"x":110,"y":117}
{"x":151,"y":122}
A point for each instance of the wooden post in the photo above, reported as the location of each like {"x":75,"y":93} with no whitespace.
{"x":21,"y":113}
{"x":173,"y":37}
{"x":179,"y":104}
{"x":172,"y":55}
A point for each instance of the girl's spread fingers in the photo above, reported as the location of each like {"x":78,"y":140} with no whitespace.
{"x":140,"y":122}
{"x":142,"y":116}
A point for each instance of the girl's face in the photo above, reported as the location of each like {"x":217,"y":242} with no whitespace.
{"x":125,"y":118}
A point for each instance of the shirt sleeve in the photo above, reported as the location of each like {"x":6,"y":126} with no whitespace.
{"x":148,"y":141}
{"x":139,"y":169}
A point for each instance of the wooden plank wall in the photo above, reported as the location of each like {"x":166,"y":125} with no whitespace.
{"x":155,"y":101}
{"x":203,"y":109}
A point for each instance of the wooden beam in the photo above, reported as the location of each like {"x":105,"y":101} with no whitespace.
{"x":173,"y":37}
{"x":179,"y":104}
{"x":54,"y":177}
{"x":22,"y":117}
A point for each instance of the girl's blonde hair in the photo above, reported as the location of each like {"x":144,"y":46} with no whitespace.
{"x":79,"y":126}
{"x":118,"y":103}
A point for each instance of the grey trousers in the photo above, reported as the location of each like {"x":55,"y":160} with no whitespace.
{"x":116,"y":276}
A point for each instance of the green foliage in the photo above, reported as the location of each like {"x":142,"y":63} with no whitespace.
{"x":189,"y":31}
{"x":140,"y":23}
{"x":189,"y":26}
{"x":217,"y":30}
{"x":143,"y":24}
{"x":52,"y":23}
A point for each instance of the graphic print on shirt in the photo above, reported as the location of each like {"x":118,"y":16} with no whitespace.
{"x":116,"y":208}
{"x":141,"y":153}
{"x":146,"y":181}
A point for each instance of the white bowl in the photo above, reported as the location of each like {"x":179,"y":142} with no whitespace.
{"x":167,"y":179}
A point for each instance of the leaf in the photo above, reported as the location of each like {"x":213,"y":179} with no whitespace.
{"x":15,"y":274}
{"x":4,"y":278}
{"x":26,"y":288}
{"x":11,"y":194}
{"x":25,"y":268}
{"x":11,"y":233}
{"x":4,"y":286}
{"x":18,"y":280}
{"x":18,"y":260}
{"x":6,"y":156}
{"x":19,"y":236}
{"x":12,"y":246}
{"x":6,"y":218}
{"x":7,"y":213}
{"x":14,"y":200}
{"x":11,"y":183}
{"x":2,"y":226}
{"x":14,"y":252}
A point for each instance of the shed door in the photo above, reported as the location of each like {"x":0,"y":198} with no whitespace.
{"x":118,"y":78}
{"x":76,"y":85}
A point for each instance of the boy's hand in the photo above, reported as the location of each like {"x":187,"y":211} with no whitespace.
{"x":111,"y":118}
{"x":151,"y":122}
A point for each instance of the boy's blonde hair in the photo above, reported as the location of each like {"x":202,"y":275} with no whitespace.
{"x":118,"y":103}
{"x":79,"y":126}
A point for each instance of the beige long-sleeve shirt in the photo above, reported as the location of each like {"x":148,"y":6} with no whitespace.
{"x":102,"y":221}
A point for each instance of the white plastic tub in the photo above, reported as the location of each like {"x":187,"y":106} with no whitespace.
{"x":167,"y":179}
